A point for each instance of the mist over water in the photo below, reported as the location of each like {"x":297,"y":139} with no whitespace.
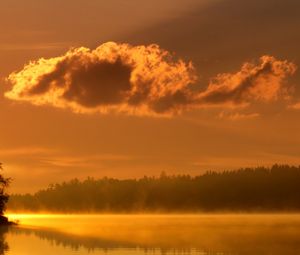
{"x":154,"y":234}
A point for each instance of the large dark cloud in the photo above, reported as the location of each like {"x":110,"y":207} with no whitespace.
{"x":142,"y":80}
{"x":113,"y":77}
{"x":91,"y":84}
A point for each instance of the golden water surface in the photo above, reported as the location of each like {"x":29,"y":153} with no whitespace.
{"x":152,"y":234}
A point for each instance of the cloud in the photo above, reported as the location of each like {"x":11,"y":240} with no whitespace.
{"x":142,"y":80}
{"x":295,"y":106}
{"x":25,"y":151}
{"x":264,"y":81}
{"x":222,"y":163}
{"x":35,"y":46}
{"x":84,"y":161}
{"x":238,"y":116}
{"x":112,"y":78}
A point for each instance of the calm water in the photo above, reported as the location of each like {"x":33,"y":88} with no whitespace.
{"x":152,"y":234}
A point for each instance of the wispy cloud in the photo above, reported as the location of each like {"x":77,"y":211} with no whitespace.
{"x":32,"y":46}
{"x":54,"y":157}
{"x":295,"y":106}
{"x":235,"y":116}
{"x":84,"y":161}
{"x":25,"y":151}
{"x":251,"y":160}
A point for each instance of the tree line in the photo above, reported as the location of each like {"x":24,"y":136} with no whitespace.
{"x":249,"y":189}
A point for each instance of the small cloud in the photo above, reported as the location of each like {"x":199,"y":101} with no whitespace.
{"x":264,"y":81}
{"x":25,"y":151}
{"x":35,"y":46}
{"x":84,"y":161}
{"x":238,"y":116}
{"x":222,"y":163}
{"x":295,"y":106}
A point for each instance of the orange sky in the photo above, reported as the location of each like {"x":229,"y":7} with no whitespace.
{"x":219,"y":91}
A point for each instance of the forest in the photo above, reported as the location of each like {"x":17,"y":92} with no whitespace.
{"x":258,"y":189}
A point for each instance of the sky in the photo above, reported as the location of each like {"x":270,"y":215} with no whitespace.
{"x":132,"y":88}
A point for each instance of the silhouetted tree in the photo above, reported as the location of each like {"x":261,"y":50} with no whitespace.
{"x":4,"y":182}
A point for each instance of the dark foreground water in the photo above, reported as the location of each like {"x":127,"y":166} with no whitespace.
{"x":152,"y":234}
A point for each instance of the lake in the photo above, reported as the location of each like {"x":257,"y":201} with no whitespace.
{"x":152,"y":234}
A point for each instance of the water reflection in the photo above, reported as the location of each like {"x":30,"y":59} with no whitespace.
{"x":3,"y":243}
{"x":92,"y":244}
{"x":71,"y":241}
{"x":215,"y":235}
